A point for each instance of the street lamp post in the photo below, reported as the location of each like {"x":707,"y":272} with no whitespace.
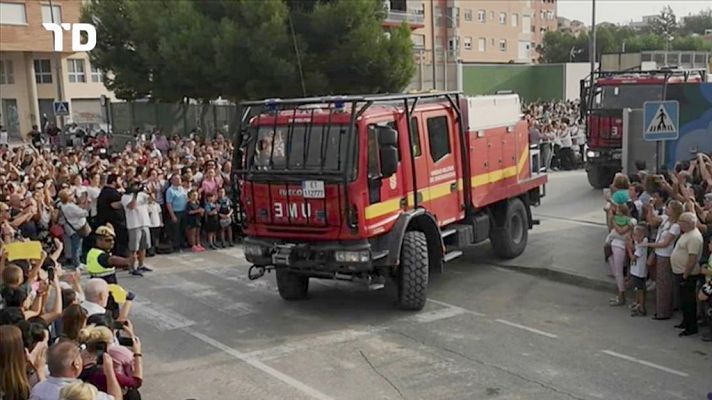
{"x":592,"y":54}
{"x":455,"y":46}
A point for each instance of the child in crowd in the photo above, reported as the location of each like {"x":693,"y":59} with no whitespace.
{"x":225,"y":211}
{"x":212,"y":223}
{"x":621,"y":223}
{"x":638,"y":254}
{"x":194,"y":214}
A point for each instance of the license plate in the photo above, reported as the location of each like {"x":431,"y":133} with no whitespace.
{"x":617,"y":156}
{"x":313,"y":189}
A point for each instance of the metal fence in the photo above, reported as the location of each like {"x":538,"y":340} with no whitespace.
{"x":173,"y":119}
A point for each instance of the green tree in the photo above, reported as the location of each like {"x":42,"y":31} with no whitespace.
{"x":665,"y":23}
{"x":239,"y":49}
{"x":697,"y":23}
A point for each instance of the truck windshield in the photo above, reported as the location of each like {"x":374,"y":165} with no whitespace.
{"x":629,"y":96}
{"x":298,"y":148}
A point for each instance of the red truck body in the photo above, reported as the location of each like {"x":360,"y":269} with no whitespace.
{"x":335,"y":197}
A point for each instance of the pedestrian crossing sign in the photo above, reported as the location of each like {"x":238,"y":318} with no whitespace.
{"x":61,"y":107}
{"x":661,"y":120}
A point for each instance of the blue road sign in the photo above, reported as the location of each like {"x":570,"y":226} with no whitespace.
{"x":61,"y":107}
{"x":661,"y":120}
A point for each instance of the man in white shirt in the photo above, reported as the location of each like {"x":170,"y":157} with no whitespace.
{"x":96,"y":296}
{"x":685,"y":263}
{"x":64,"y":361}
{"x":138,"y":222}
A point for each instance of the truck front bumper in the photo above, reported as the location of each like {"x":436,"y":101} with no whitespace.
{"x":326,"y":257}
{"x":604,"y":158}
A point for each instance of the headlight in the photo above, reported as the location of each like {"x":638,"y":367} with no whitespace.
{"x":352,"y":256}
{"x":592,"y":154}
{"x":253,"y":250}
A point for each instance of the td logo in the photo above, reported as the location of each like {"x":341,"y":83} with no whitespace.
{"x":77,"y":30}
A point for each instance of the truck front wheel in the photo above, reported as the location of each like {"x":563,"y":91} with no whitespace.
{"x":599,"y":177}
{"x":413,"y":272}
{"x":292,"y":286}
{"x":510,"y":239}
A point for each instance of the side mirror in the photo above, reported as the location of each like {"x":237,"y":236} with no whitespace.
{"x":389,"y":160}
{"x":387,"y":136}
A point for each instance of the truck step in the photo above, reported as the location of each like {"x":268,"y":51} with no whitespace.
{"x":451,"y":255}
{"x":448,"y":232}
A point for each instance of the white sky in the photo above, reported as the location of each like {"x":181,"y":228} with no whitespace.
{"x":623,"y":11}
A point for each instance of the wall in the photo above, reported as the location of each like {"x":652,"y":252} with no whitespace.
{"x":32,"y":36}
{"x":531,"y":82}
{"x":574,"y":73}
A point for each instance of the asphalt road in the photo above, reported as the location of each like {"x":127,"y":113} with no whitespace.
{"x":486,"y":333}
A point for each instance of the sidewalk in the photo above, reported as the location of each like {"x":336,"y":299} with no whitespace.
{"x":563,"y":251}
{"x":568,"y":244}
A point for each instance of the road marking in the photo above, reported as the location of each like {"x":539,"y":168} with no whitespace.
{"x":526,"y":328}
{"x":436,"y":315}
{"x":646,"y":363}
{"x":349,"y":335}
{"x":164,"y":319}
{"x":293,"y":382}
{"x":448,"y":305}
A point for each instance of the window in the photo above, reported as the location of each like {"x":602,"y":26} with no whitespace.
{"x":515,"y":20}
{"x":502,"y":45}
{"x":503,"y":18}
{"x":482,"y":16}
{"x":418,"y":42}
{"x":415,"y":137}
{"x":468,"y":15}
{"x":6,"y":75}
{"x":47,"y":17}
{"x":13,"y":14}
{"x":374,"y":156}
{"x":76,"y":70}
{"x":439,"y":137}
{"x":467,"y":43}
{"x":43,"y":71}
{"x":482,"y":44}
{"x":96,"y":75}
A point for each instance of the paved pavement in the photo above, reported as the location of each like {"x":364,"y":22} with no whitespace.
{"x":486,"y":333}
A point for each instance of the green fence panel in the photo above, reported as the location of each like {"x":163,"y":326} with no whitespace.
{"x":531,"y":82}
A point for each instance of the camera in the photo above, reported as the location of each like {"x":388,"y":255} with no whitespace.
{"x":119,"y":324}
{"x":100,"y":350}
{"x":50,"y":273}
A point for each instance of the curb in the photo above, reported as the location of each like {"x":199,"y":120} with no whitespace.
{"x":557,"y":275}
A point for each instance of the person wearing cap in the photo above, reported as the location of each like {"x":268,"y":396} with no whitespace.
{"x":100,"y":262}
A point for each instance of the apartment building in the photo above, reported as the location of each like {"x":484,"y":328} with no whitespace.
{"x":29,"y":68}
{"x":475,"y":31}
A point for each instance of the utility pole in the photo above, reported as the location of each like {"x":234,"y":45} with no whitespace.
{"x":592,"y":53}
{"x":58,"y":64}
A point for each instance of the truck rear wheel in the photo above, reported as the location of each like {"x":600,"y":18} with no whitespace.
{"x":292,"y":286}
{"x":413,"y":272}
{"x":510,"y":239}
{"x":599,"y":177}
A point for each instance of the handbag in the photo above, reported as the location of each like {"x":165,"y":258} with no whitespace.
{"x":83,"y":231}
{"x":56,"y":231}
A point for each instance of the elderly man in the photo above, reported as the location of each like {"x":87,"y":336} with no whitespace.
{"x":64,"y":361}
{"x":685,"y":262}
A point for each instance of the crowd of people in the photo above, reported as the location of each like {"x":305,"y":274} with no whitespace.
{"x":660,"y":242}
{"x":74,"y":208}
{"x":558,"y":130}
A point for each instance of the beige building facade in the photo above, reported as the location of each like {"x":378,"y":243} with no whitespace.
{"x":29,"y":68}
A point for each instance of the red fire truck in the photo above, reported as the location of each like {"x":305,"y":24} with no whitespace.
{"x":368,"y":188}
{"x":602,"y":109}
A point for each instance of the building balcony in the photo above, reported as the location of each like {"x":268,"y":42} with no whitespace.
{"x":414,"y":18}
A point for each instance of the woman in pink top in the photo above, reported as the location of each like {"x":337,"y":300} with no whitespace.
{"x":211,"y":183}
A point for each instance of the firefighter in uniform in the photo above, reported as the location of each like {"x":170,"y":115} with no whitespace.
{"x":101,"y":264}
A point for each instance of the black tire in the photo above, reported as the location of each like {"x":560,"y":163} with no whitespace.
{"x":600,"y":177}
{"x":510,"y":239}
{"x":292,"y":286}
{"x":413,"y":272}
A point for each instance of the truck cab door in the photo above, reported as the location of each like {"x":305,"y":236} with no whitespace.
{"x":445,"y":182}
{"x":385,"y":193}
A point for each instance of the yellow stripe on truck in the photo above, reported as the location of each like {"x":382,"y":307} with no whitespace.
{"x":443,"y":189}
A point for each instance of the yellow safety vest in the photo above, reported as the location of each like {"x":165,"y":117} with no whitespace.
{"x":94,"y":268}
